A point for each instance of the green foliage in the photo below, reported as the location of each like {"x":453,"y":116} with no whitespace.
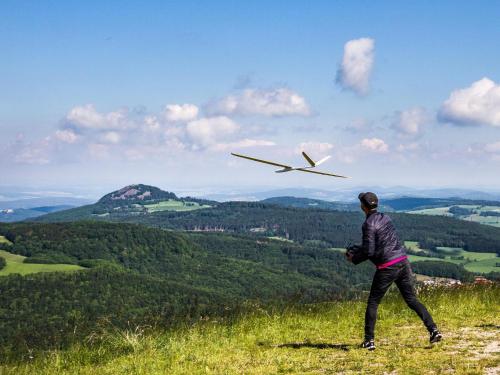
{"x":310,"y":339}
{"x":151,"y":272}
{"x":135,"y":194}
{"x":336,"y":228}
{"x":460,"y":211}
{"x":50,"y":309}
{"x":490,"y":213}
{"x":442,"y":269}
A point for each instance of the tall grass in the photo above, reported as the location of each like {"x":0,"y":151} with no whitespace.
{"x":309,"y":339}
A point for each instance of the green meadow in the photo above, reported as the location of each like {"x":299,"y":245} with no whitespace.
{"x":311,"y":339}
{"x":174,"y":205}
{"x":15,"y":264}
{"x":475,"y":216}
{"x":472,"y":261}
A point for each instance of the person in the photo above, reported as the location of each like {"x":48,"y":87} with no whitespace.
{"x":382,"y":246}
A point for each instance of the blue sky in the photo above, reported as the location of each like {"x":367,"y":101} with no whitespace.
{"x":110,"y":93}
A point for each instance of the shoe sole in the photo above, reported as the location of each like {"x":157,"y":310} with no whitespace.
{"x":436,"y":339}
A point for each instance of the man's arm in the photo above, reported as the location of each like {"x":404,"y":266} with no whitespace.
{"x":358,"y":256}
{"x":368,"y":240}
{"x":367,"y":249}
{"x":355,"y":254}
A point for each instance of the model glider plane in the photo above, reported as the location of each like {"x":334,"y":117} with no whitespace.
{"x":288,"y":168}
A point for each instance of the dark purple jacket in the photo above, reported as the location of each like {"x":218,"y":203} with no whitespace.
{"x":381,"y":243}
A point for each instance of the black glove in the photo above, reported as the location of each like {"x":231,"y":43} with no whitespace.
{"x":352,"y":249}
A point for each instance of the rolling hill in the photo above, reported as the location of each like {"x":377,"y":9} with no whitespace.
{"x":139,"y":274}
{"x":319,"y":223}
{"x":132,"y":200}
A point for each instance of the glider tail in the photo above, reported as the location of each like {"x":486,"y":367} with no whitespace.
{"x":323,"y":160}
{"x":309,"y":160}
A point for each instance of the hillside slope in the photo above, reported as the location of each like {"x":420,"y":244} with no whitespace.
{"x":315,"y":339}
{"x":131,"y":200}
{"x":148,"y":275}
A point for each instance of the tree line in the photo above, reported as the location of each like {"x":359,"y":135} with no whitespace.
{"x":142,"y":275}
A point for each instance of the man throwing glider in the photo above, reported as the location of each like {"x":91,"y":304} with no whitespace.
{"x":382,"y":246}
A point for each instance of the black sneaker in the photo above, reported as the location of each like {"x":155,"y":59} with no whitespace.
{"x":368,"y":344}
{"x":436,"y":336}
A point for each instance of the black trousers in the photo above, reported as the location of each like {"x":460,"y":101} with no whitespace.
{"x":401,"y":274}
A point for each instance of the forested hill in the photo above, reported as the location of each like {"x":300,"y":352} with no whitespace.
{"x":141,"y":275}
{"x":130,"y":200}
{"x":392,"y":204}
{"x":331,"y":228}
{"x":135,"y":194}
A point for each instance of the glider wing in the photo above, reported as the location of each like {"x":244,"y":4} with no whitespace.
{"x":262,"y":161}
{"x":317,"y":172}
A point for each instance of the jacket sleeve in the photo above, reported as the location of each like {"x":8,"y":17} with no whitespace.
{"x":359,"y":256}
{"x":367,"y":249}
{"x":369,"y":240}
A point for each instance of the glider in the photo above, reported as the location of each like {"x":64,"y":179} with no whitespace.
{"x":288,"y":168}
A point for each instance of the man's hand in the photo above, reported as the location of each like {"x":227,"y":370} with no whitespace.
{"x":349,"y":256}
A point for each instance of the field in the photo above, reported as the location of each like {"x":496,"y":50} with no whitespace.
{"x":174,"y":205}
{"x":15,"y":264}
{"x":472,"y":261}
{"x":5,"y":240}
{"x":311,"y":339}
{"x":475,"y":216}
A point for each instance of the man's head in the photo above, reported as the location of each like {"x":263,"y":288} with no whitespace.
{"x":369,"y":202}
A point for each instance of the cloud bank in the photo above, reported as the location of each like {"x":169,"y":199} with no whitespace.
{"x":411,"y":122}
{"x":273,"y":103}
{"x":478,"y":104}
{"x":375,"y":145}
{"x":357,"y":63}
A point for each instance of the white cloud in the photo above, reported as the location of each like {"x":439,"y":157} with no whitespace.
{"x":411,"y":147}
{"x":181,"y":112}
{"x":478,"y":104}
{"x":315,"y":148}
{"x":111,"y":137}
{"x":98,"y":151}
{"x":151,"y":123}
{"x":411,"y":122}
{"x":37,"y":153}
{"x":356,"y":67}
{"x":208,"y":131}
{"x":86,"y":117}
{"x":244,"y":143}
{"x":66,"y":136}
{"x":273,"y":102}
{"x":376,"y":145}
{"x":134,"y":154}
{"x":492,"y":147}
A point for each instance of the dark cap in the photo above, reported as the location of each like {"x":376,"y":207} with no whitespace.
{"x":369,"y":200}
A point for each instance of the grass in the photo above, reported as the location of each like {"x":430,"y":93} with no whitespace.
{"x":14,"y":264}
{"x":314,"y":339}
{"x":174,"y":205}
{"x":476,"y":217}
{"x":282,"y":239}
{"x":472,"y":261}
{"x":5,"y":240}
{"x":483,"y":266}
